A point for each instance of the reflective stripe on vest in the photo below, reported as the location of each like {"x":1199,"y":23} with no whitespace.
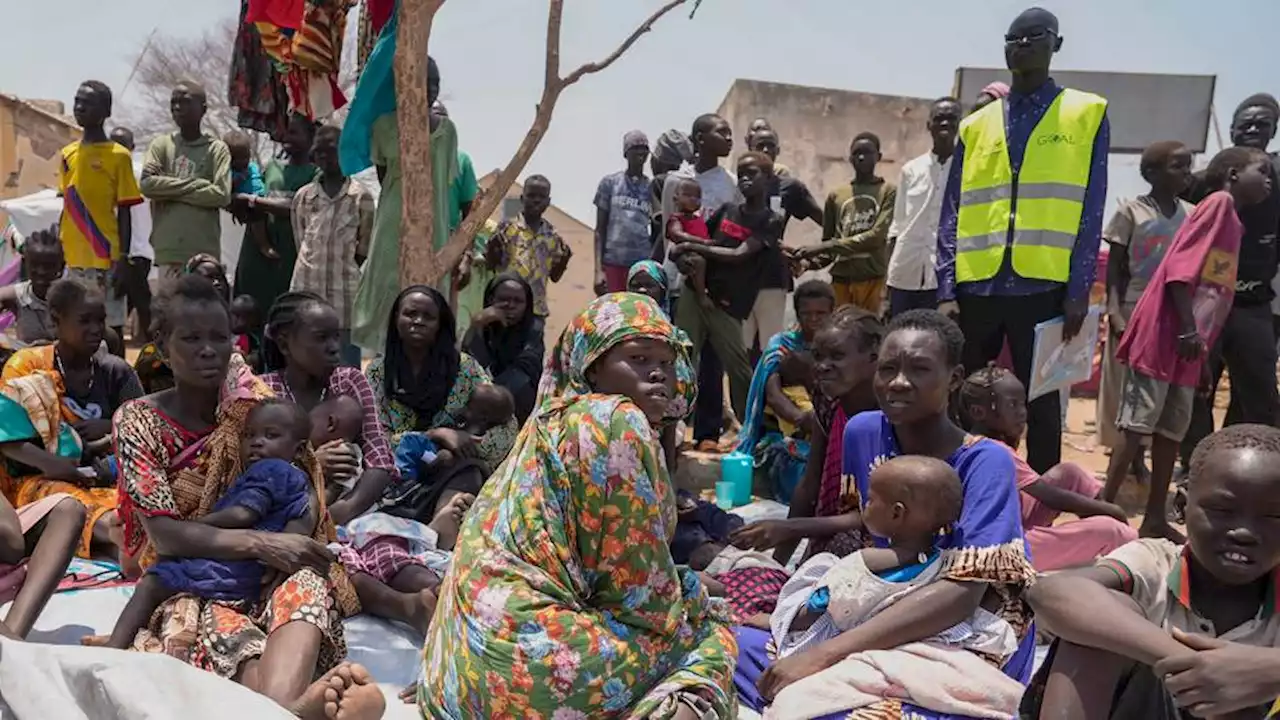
{"x":1038,"y":212}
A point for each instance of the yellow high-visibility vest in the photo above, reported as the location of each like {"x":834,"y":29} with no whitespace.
{"x":1042,"y":205}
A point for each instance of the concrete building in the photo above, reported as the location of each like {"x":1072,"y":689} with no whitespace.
{"x":31,"y":134}
{"x":569,"y":296}
{"x":815,"y":126}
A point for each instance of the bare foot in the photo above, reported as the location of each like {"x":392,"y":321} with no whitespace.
{"x":320,"y":700}
{"x":96,"y":641}
{"x":424,"y":608}
{"x":1161,"y":529}
{"x":361,"y":699}
{"x":449,"y":518}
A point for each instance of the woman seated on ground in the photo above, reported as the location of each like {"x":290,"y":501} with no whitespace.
{"x":36,"y":545}
{"x":57,"y":425}
{"x":823,"y":509}
{"x":563,"y":599}
{"x":506,"y":340}
{"x":983,"y":558}
{"x":386,"y":557}
{"x":179,"y":452}
{"x":152,"y":369}
{"x":778,"y":427}
{"x":994,"y":403}
{"x":421,"y":385}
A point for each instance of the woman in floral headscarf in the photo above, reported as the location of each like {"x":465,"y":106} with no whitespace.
{"x":563,"y":600}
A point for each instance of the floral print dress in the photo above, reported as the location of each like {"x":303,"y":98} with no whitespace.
{"x":399,"y":419}
{"x":563,"y":601}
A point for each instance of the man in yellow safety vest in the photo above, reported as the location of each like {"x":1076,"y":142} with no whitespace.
{"x":1021,"y":217}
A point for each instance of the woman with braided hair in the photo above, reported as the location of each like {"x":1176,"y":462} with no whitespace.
{"x":994,"y":404}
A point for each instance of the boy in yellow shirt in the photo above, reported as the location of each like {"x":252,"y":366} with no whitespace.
{"x":95,"y":178}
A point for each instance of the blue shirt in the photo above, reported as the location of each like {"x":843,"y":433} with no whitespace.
{"x":629,"y":203}
{"x":248,"y":181}
{"x":1025,"y":112}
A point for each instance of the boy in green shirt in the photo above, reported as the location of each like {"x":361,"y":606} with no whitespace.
{"x":187,"y":177}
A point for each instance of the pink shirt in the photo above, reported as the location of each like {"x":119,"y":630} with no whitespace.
{"x":1204,"y":255}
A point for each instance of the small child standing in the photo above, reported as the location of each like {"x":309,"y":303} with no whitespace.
{"x":688,"y":225}
{"x":529,"y":245}
{"x":246,"y":179}
{"x":912,"y":502}
{"x":246,"y":323}
{"x":273,"y":495}
{"x":333,"y":224}
{"x":1174,"y":323}
{"x":994,"y":403}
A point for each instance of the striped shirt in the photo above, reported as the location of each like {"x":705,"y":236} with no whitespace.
{"x":331,"y":232}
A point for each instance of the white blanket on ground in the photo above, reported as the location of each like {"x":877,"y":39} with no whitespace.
{"x":942,"y":679}
{"x":62,"y":682}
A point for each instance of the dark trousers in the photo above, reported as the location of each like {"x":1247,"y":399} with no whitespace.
{"x":138,"y":295}
{"x":901,"y":301}
{"x":1247,"y":349}
{"x":708,"y":411}
{"x":987,"y":322}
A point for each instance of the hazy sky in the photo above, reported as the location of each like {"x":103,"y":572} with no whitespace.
{"x":491,"y":57}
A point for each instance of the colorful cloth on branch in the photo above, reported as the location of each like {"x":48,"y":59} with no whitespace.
{"x":255,"y":89}
{"x":304,"y":38}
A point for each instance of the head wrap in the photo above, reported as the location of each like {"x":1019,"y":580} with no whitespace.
{"x":608,"y":321}
{"x":673,"y":148}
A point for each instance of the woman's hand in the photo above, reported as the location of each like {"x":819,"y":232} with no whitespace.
{"x":60,"y":468}
{"x":460,"y":443}
{"x":788,"y":670}
{"x":291,"y":553}
{"x":486,"y":317}
{"x":1220,"y":677}
{"x":761,"y":536}
{"x":90,"y":430}
{"x":339,"y":462}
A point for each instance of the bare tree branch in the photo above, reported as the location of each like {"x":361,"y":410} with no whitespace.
{"x":645,"y":27}
{"x":555,"y":18}
{"x":449,"y":255}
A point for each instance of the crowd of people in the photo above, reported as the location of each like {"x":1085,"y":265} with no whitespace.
{"x":262,"y":483}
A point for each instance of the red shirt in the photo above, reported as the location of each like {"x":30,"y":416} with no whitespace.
{"x":1204,"y":254}
{"x":694,"y":225}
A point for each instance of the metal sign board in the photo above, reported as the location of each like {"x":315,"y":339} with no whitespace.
{"x":1143,"y":108}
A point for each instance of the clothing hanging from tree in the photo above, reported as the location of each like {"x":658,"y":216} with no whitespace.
{"x":303,"y":39}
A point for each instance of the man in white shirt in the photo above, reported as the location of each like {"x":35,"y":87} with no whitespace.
{"x":912,"y":279}
{"x":141,"y":255}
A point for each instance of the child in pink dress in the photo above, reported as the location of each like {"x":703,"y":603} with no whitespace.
{"x":994,"y":402}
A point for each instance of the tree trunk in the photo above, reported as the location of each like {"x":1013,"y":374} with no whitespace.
{"x":419,"y":263}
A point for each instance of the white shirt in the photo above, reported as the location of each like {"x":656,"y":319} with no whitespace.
{"x":140,"y":238}
{"x":915,"y":223}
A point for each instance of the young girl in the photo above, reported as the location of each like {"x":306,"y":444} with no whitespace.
{"x":273,"y":495}
{"x":912,"y":503}
{"x":994,"y":403}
